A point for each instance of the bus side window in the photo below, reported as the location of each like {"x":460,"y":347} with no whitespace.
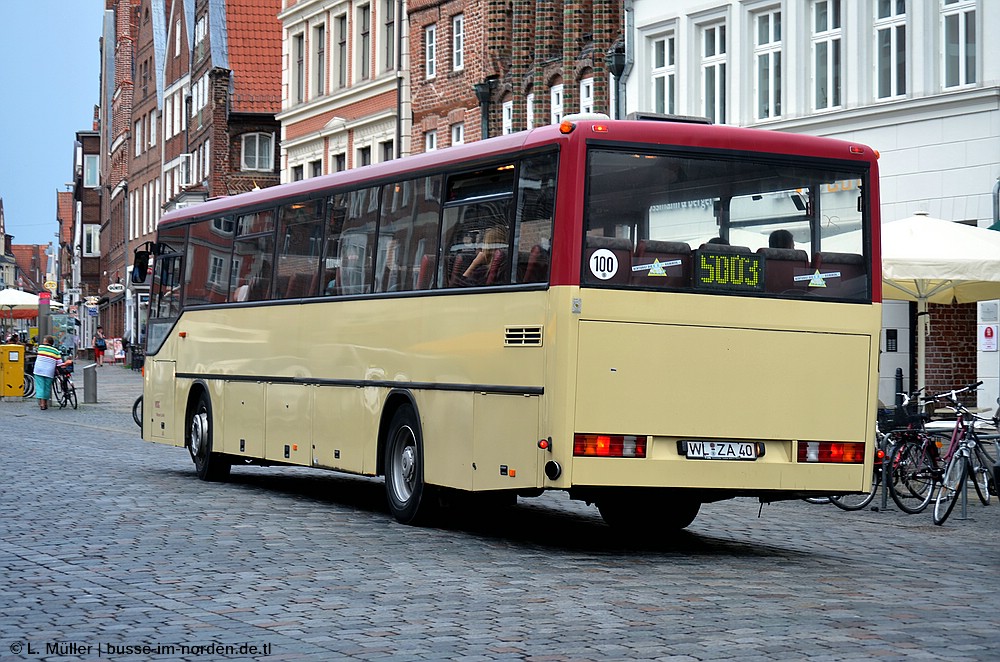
{"x":536,"y":195}
{"x":336,"y":214}
{"x":357,"y":242}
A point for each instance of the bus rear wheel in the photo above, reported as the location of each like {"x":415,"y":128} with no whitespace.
{"x":406,"y":493}
{"x":208,"y":465}
{"x":646,"y":514}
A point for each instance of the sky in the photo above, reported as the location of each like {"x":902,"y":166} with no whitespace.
{"x":49,"y":85}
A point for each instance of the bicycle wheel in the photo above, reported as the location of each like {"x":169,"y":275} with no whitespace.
{"x":859,"y":501}
{"x":70,"y":391}
{"x":29,"y":385}
{"x":981,"y":472}
{"x":949,"y":492}
{"x":59,"y":392}
{"x":910,"y":476}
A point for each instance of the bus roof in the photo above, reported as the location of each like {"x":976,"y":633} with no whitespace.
{"x":646,"y":132}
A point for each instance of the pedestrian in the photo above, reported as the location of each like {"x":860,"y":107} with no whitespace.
{"x":45,"y":370}
{"x":100,"y":344}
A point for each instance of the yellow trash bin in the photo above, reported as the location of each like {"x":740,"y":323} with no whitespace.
{"x":11,"y":370}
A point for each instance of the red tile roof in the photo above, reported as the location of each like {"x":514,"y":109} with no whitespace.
{"x":254,"y":35}
{"x":31,"y":260}
{"x":64,"y":203}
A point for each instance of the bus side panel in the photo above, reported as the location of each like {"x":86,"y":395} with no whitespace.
{"x":343,"y":430}
{"x":286,"y":438}
{"x":159,"y":405}
{"x":243,"y":409}
{"x":505,"y":447}
{"x":446,"y":424}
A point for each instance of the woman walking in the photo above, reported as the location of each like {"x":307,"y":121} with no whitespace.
{"x":100,"y":344}
{"x":45,"y":369}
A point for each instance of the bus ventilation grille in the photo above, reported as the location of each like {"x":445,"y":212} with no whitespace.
{"x":522,"y":336}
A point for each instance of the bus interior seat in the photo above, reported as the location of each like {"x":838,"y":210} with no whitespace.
{"x":455,"y":267}
{"x":853,"y":272}
{"x":426,"y":273}
{"x":781,"y":267}
{"x":537,"y":269}
{"x":724,"y":248}
{"x":622,"y":249}
{"x":498,"y":273}
{"x":652,"y":251}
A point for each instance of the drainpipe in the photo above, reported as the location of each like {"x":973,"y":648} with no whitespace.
{"x":628,"y":31}
{"x":996,"y":202}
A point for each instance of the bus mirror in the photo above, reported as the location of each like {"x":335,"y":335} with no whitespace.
{"x":140,"y":266}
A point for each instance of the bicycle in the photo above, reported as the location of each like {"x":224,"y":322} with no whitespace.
{"x":63,"y":390}
{"x":970,"y":459}
{"x":913,"y":468}
{"x":858,"y":500}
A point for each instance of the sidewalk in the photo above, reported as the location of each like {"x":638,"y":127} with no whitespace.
{"x":117,"y":389}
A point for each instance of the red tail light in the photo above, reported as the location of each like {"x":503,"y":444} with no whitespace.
{"x":850,"y":452}
{"x":608,"y":445}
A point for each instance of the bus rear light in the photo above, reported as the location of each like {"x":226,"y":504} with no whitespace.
{"x":606,"y":445}
{"x":567,"y":127}
{"x":851,"y":452}
{"x":855,"y":149}
{"x":600,"y":128}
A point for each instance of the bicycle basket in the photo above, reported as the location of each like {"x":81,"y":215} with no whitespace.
{"x":898,"y":418}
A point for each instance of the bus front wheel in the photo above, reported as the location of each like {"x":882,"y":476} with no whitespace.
{"x":406,"y":493}
{"x":208,"y":465}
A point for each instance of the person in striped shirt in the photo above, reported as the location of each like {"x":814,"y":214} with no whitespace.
{"x":45,"y":370}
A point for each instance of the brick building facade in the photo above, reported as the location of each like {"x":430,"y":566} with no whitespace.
{"x":547,"y":59}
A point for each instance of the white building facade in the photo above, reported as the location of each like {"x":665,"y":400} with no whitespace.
{"x":918,"y":80}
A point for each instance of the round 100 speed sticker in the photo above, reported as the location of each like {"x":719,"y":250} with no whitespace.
{"x":603,"y":264}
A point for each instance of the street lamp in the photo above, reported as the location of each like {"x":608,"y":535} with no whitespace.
{"x":484,"y":94}
{"x":616,"y":64}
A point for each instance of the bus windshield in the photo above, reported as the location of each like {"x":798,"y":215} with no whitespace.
{"x":725,"y":223}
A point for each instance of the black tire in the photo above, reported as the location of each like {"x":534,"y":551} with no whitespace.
{"x":858,"y":501}
{"x":59,"y":393}
{"x":982,"y":474}
{"x":137,"y":411}
{"x":951,"y":487}
{"x":71,"y":394}
{"x":29,"y":385}
{"x":208,"y":465}
{"x":408,"y":496}
{"x":647,"y":514}
{"x":910,"y":476}
{"x":817,"y":500}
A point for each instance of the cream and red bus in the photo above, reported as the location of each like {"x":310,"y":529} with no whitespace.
{"x":644,"y":314}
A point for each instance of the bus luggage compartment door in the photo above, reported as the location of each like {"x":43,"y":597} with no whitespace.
{"x":505,"y":451}
{"x":158,"y":404}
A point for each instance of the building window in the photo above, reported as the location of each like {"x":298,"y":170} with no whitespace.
{"x":458,"y":134}
{"x":298,"y":68}
{"x":713,"y":72}
{"x":217,"y":271}
{"x":177,"y":38}
{"x":365,"y":156}
{"x":529,"y":110}
{"x":587,"y":95}
{"x":91,"y":170}
{"x":137,"y":137}
{"x":364,"y":42}
{"x":152,"y":128}
{"x":297,"y":173}
{"x":389,"y":34}
{"x":959,"y":23}
{"x":388,"y":151}
{"x":319,"y":59}
{"x":767,"y":55}
{"x":556,"y":94}
{"x":339,"y":162}
{"x":430,"y":49}
{"x":91,"y":240}
{"x":458,"y":42}
{"x":341,"y":23}
{"x":890,"y":48}
{"x":826,"y":39}
{"x":258,"y":150}
{"x":430,"y":141}
{"x":316,"y":168}
{"x":507,"y":117}
{"x":664,"y":74}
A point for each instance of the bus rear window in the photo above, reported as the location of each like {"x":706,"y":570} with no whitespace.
{"x":731,"y":224}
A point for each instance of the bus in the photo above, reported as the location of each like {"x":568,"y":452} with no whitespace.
{"x":647,"y":315}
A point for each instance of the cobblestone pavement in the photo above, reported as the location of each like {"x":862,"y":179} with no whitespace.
{"x":108,"y":542}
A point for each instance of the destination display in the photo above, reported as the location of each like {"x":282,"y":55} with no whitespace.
{"x":718,"y":270}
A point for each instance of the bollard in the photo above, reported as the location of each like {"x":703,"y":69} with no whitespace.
{"x":90,"y":383}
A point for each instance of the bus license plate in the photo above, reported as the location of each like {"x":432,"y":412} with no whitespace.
{"x":721,"y":450}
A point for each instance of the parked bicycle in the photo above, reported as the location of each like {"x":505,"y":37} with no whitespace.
{"x":857,"y":501}
{"x":969,"y":459}
{"x":63,"y":390}
{"x":914,"y":467}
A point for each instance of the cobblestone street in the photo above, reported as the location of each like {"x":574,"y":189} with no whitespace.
{"x":109,"y":543}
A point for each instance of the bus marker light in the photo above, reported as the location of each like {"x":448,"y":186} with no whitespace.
{"x":183,"y":334}
{"x":600,"y":128}
{"x":567,"y":127}
{"x":545,"y":444}
{"x":512,"y":473}
{"x":857,"y":150}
